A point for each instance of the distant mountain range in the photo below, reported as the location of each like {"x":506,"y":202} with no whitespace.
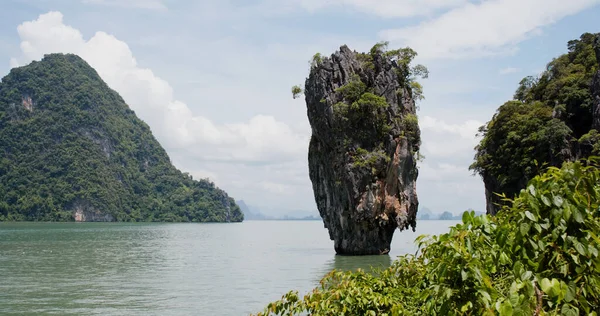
{"x":426,"y":214}
{"x":253,"y":214}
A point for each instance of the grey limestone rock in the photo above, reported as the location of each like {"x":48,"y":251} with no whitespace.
{"x":362,"y":153}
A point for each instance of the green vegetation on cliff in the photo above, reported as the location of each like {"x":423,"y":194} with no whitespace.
{"x":366,"y":112}
{"x":549,"y":122}
{"x":71,"y":143}
{"x":538,"y":257}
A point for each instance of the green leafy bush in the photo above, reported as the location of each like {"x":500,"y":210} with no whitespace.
{"x":410,"y":122}
{"x":353,"y":90}
{"x":316,"y":60}
{"x":539,"y":257}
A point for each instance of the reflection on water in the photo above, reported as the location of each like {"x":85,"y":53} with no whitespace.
{"x":353,"y":263}
{"x":169,"y":269}
{"x":348,"y":263}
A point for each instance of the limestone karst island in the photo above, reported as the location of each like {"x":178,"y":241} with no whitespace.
{"x":74,"y":151}
{"x":364,"y":145}
{"x":433,"y":158}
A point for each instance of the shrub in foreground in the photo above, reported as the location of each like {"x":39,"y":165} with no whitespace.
{"x":538,"y":257}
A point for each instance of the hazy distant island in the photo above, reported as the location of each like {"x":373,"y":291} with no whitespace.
{"x":426,"y":214}
{"x":254,"y":214}
{"x":72,"y":150}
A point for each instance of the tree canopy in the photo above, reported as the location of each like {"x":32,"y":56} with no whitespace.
{"x":549,"y":122}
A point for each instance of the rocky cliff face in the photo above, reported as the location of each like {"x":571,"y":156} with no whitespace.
{"x":362,"y":153}
{"x":83,"y":211}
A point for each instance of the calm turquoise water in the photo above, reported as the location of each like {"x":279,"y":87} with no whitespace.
{"x":169,"y":269}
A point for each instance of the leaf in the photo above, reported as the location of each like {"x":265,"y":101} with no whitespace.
{"x":506,"y":309}
{"x":577,"y":216}
{"x":546,"y":285}
{"x":593,"y":251}
{"x":569,"y":310}
{"x":526,"y":275}
{"x":467,"y":218}
{"x":518,"y":268}
{"x":558,"y":200}
{"x":524,"y":228}
{"x":555,"y":288}
{"x":532,"y":189}
{"x":486,"y":296}
{"x":530,"y":216}
{"x":546,"y":200}
{"x":571,"y":292}
{"x":580,"y":248}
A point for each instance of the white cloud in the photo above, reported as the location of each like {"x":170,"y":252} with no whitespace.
{"x":140,"y":4}
{"x":508,"y":70}
{"x":486,"y":28}
{"x":261,"y":139}
{"x":384,"y":8}
{"x":445,"y":174}
{"x":466,"y":130}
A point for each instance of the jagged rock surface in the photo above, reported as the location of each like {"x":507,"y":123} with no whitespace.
{"x":364,"y":180}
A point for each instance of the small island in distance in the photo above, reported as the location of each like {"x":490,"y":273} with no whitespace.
{"x":252,"y":213}
{"x":426,"y":214}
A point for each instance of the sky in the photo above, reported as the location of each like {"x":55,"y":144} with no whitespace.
{"x":212,"y":78}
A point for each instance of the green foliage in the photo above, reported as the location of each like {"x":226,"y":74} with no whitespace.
{"x":403,"y":58}
{"x":567,"y":81}
{"x":69,"y":140}
{"x":417,"y":90}
{"x":524,"y":135}
{"x":365,"y":111}
{"x":362,"y":111}
{"x":297,"y":91}
{"x":591,"y":142}
{"x":524,"y":91}
{"x":372,"y":160}
{"x":341,"y":110}
{"x":410,"y":122}
{"x":353,"y":90}
{"x":557,"y":238}
{"x":519,"y":137}
{"x":407,"y":74}
{"x":420,"y":71}
{"x":366,"y":61}
{"x":316,"y":60}
{"x":379,"y":48}
{"x":540,"y":257}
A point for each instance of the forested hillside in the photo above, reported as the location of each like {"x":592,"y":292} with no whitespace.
{"x":71,"y":149}
{"x":553,"y":118}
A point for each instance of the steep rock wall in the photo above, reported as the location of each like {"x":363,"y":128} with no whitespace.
{"x":362,"y":153}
